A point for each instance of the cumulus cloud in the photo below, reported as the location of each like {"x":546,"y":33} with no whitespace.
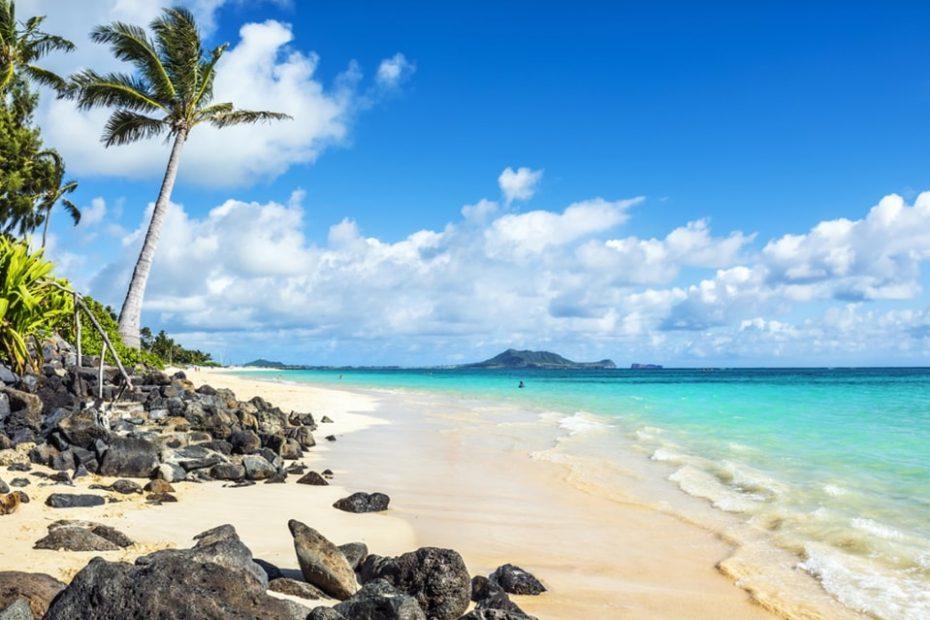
{"x":562,"y":279}
{"x":95,"y":213}
{"x":263,"y":70}
{"x":519,"y":184}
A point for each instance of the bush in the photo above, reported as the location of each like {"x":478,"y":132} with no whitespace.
{"x":31,"y":306}
{"x":92,"y":341}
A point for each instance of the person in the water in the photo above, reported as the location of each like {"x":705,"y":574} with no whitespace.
{"x":521,"y":385}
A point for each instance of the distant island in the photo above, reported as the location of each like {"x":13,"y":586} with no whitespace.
{"x":511,"y":358}
{"x":645,"y":366}
{"x":263,"y":363}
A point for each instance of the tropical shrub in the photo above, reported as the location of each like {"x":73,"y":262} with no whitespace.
{"x":92,"y":342}
{"x":31,"y":305}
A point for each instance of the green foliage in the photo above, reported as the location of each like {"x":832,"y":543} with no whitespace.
{"x":158,"y":351}
{"x":22,"y":44}
{"x":28,"y":171}
{"x":30,"y":305}
{"x":173,"y":353}
{"x":171,"y":89}
{"x":92,"y":341}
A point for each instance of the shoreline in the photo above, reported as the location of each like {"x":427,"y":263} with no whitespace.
{"x":493,"y":521}
{"x":460,"y":476}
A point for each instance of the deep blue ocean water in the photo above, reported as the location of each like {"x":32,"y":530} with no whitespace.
{"x":835,"y":463}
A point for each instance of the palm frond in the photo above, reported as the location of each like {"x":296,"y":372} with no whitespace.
{"x":208,"y":112}
{"x":125,"y":126}
{"x":44,"y":43}
{"x":245,"y":117}
{"x":46,"y":77}
{"x":6,"y":74}
{"x":207,"y":74}
{"x":131,"y":44}
{"x":72,"y":210}
{"x":114,"y":89}
{"x":180,"y":46}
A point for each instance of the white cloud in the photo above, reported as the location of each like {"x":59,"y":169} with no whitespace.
{"x":518,"y":184}
{"x":95,"y":213}
{"x":245,"y":273}
{"x":263,"y":70}
{"x":394,"y":70}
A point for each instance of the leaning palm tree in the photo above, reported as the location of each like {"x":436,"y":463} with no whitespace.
{"x":170,"y":93}
{"x":56,"y":193}
{"x":22,"y":44}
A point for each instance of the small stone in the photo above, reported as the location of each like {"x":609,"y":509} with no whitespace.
{"x":326,"y":420}
{"x":126,"y":487}
{"x":311,"y":477}
{"x":327,"y":473}
{"x":20,"y":482}
{"x":160,"y":498}
{"x":330,"y":438}
{"x":363,"y":502}
{"x":514,"y":580}
{"x":158,"y":486}
{"x":277,"y":478}
{"x":73,"y":500}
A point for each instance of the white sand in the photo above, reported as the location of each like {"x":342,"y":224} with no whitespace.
{"x":454,"y":482}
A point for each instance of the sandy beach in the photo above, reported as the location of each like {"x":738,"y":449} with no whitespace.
{"x":456,"y":480}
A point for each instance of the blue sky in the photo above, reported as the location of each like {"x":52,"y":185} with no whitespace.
{"x":756,"y":121}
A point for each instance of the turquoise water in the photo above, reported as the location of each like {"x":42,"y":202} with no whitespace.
{"x":834,"y":464}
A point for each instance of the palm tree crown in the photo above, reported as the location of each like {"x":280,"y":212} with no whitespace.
{"x":172,"y":89}
{"x":22,"y":44}
{"x":57,"y":192}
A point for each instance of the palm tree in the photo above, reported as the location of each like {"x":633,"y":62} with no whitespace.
{"x":57,"y":192}
{"x":22,"y":44}
{"x":170,"y":93}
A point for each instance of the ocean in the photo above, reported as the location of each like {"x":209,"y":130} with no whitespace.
{"x":830,"y":465}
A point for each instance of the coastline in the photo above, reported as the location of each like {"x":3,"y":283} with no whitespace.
{"x":483,"y":481}
{"x":601,"y":556}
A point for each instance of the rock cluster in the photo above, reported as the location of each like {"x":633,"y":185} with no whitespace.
{"x":160,"y":427}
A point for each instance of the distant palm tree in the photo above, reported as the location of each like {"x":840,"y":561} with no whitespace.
{"x":22,"y":44}
{"x":60,"y":188}
{"x":170,"y":93}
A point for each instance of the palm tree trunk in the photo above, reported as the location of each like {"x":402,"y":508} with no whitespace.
{"x":48,"y":216}
{"x":130,"y":317}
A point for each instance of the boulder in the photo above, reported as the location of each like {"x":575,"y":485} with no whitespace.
{"x":170,"y":472}
{"x":227,"y":471}
{"x":4,"y":487}
{"x":354,"y":553}
{"x":279,"y":477}
{"x":437,"y":578}
{"x":292,"y":587}
{"x":25,"y":411}
{"x":244,"y":442}
{"x":304,"y":437}
{"x":311,"y":477}
{"x":257,"y":467}
{"x":17,"y":610}
{"x":272,"y":571}
{"x":321,"y":562}
{"x":133,"y":457}
{"x":82,"y":428}
{"x":379,"y":600}
{"x":216,"y":579}
{"x":363,"y":502}
{"x":73,"y":500}
{"x":37,"y":588}
{"x":82,"y":536}
{"x":514,"y":580}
